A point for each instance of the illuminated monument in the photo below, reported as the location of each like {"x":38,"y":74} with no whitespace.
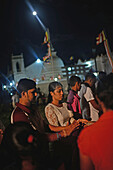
{"x":41,"y":72}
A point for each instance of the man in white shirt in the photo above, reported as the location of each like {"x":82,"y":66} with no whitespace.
{"x":89,"y":106}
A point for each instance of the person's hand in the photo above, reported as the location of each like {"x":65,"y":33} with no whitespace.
{"x":82,"y":121}
{"x":1,"y":135}
{"x":68,"y":130}
{"x":1,"y":132}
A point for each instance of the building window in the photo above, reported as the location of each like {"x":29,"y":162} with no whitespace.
{"x":69,"y":72}
{"x":18,"y":67}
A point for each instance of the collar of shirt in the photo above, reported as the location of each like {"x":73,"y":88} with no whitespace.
{"x":24,"y":108}
{"x":75,"y":93}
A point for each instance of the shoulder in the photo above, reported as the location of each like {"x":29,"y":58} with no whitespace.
{"x":83,"y":86}
{"x":17,"y":110}
{"x":85,"y":133}
{"x":89,"y":133}
{"x":64,"y":104}
{"x":89,"y":91}
{"x":49,"y":106}
{"x":19,"y":115}
{"x":82,"y":90}
{"x":70,"y":96}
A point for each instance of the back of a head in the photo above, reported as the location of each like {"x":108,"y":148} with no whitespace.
{"x":16,"y":137}
{"x":25,"y":85}
{"x":73,"y":79}
{"x":105,"y":91}
{"x":21,"y":141}
{"x":90,"y":76}
{"x":101,"y":75}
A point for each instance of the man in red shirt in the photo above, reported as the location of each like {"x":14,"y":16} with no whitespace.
{"x":24,"y":112}
{"x":96,"y":141}
{"x":27,"y":91}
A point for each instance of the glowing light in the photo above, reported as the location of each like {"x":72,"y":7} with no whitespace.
{"x":96,"y":74}
{"x":89,"y":63}
{"x":55,"y":79}
{"x":4,"y":86}
{"x":11,"y":84}
{"x":38,"y":60}
{"x":69,"y":68}
{"x":34,"y":13}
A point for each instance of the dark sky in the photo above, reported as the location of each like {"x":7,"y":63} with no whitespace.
{"x":74,"y":26}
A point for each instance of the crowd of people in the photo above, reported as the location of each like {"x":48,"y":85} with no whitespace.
{"x":76,"y":134}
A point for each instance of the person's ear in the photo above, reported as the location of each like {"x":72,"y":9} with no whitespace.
{"x":51,"y":93}
{"x":76,"y":83}
{"x":23,"y":93}
{"x":90,"y":80}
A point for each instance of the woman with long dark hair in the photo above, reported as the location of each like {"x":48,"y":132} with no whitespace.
{"x":60,"y":118}
{"x":56,"y":111}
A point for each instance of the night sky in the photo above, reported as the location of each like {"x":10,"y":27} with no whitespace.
{"x":73,"y":25}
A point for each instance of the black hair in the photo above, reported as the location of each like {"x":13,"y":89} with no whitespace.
{"x":101,"y":75}
{"x":105,"y":91}
{"x":17,"y":135}
{"x":51,"y":88}
{"x":25,"y":85}
{"x":21,"y":141}
{"x":90,"y":76}
{"x":73,"y":79}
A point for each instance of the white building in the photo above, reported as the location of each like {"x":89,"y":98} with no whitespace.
{"x":44,"y":73}
{"x":41,"y":72}
{"x":102,"y":63}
